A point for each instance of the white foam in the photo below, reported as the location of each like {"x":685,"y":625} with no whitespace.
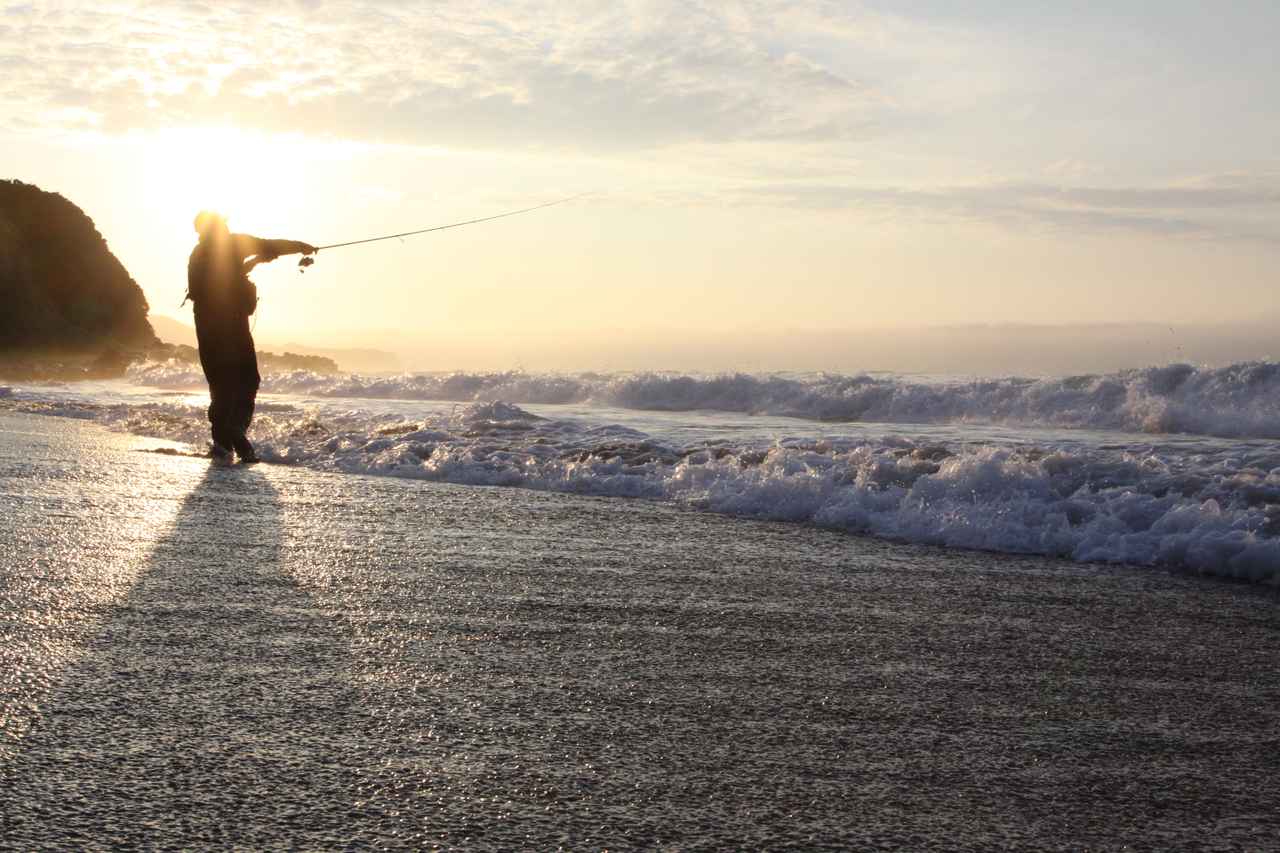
{"x":1214,"y":509}
{"x":1241,"y":400}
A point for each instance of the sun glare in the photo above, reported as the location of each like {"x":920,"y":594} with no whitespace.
{"x":257,"y":181}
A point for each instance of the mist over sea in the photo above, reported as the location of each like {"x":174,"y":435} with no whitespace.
{"x":1174,"y":466}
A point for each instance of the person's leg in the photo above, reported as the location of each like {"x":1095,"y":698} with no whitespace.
{"x":213,"y":363}
{"x":221,"y":420}
{"x":246,"y":397}
{"x":244,"y":448}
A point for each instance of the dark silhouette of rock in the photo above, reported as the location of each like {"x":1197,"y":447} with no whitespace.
{"x":273,"y":363}
{"x":270,"y":362}
{"x":112,"y":361}
{"x":62,"y":291}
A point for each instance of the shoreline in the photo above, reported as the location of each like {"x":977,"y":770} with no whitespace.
{"x":1068,"y":499}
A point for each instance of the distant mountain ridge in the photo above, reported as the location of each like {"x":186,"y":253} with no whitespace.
{"x":61,"y":287}
{"x":357,"y":360}
{"x":173,"y":331}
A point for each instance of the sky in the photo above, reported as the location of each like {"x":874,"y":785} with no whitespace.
{"x":810,"y":174}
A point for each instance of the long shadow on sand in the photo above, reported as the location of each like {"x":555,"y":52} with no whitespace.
{"x":514,"y":670}
{"x":212,"y":709}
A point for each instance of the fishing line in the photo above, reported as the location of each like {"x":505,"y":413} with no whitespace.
{"x":454,"y":224}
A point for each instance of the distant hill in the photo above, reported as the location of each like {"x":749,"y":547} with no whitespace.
{"x":354,"y":360}
{"x":62,"y":289}
{"x":174,"y":331}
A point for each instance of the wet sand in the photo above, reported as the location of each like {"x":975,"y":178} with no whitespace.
{"x":269,"y":658}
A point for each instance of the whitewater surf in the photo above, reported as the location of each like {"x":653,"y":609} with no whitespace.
{"x":1170,"y":467}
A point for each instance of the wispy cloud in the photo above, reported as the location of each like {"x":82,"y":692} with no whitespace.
{"x":613,"y":76}
{"x":1208,"y":207}
{"x":807,"y":103}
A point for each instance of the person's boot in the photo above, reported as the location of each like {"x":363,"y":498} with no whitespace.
{"x":245,"y":451}
{"x":218,"y":453}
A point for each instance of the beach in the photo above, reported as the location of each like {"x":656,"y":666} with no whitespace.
{"x":274,"y":657}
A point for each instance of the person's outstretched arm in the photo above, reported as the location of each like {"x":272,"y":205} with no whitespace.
{"x":263,"y":251}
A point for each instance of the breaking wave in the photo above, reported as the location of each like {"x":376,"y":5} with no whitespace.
{"x":1241,"y":400}
{"x":1215,"y":510}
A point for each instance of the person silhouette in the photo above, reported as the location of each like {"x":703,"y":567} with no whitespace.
{"x":223,"y":299}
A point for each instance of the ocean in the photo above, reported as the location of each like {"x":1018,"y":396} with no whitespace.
{"x":1175,"y":467}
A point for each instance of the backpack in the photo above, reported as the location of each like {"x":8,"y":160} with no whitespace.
{"x":225,"y":285}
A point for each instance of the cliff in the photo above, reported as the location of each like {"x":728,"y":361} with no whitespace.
{"x":61,"y":288}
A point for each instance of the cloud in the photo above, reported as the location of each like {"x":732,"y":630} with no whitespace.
{"x":608,"y":77}
{"x":1207,"y":207}
{"x":812,"y":104}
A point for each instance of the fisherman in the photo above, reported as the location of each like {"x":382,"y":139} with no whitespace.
{"x":219,"y":288}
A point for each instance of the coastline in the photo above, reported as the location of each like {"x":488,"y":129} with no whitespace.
{"x":1192,"y":503}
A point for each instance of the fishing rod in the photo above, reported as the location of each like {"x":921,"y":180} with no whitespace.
{"x":309,"y":260}
{"x":452,"y":224}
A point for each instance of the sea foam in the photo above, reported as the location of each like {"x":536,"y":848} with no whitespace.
{"x":1214,"y":511}
{"x":1241,"y":400}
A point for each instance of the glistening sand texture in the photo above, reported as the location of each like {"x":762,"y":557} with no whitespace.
{"x":275,"y":658}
